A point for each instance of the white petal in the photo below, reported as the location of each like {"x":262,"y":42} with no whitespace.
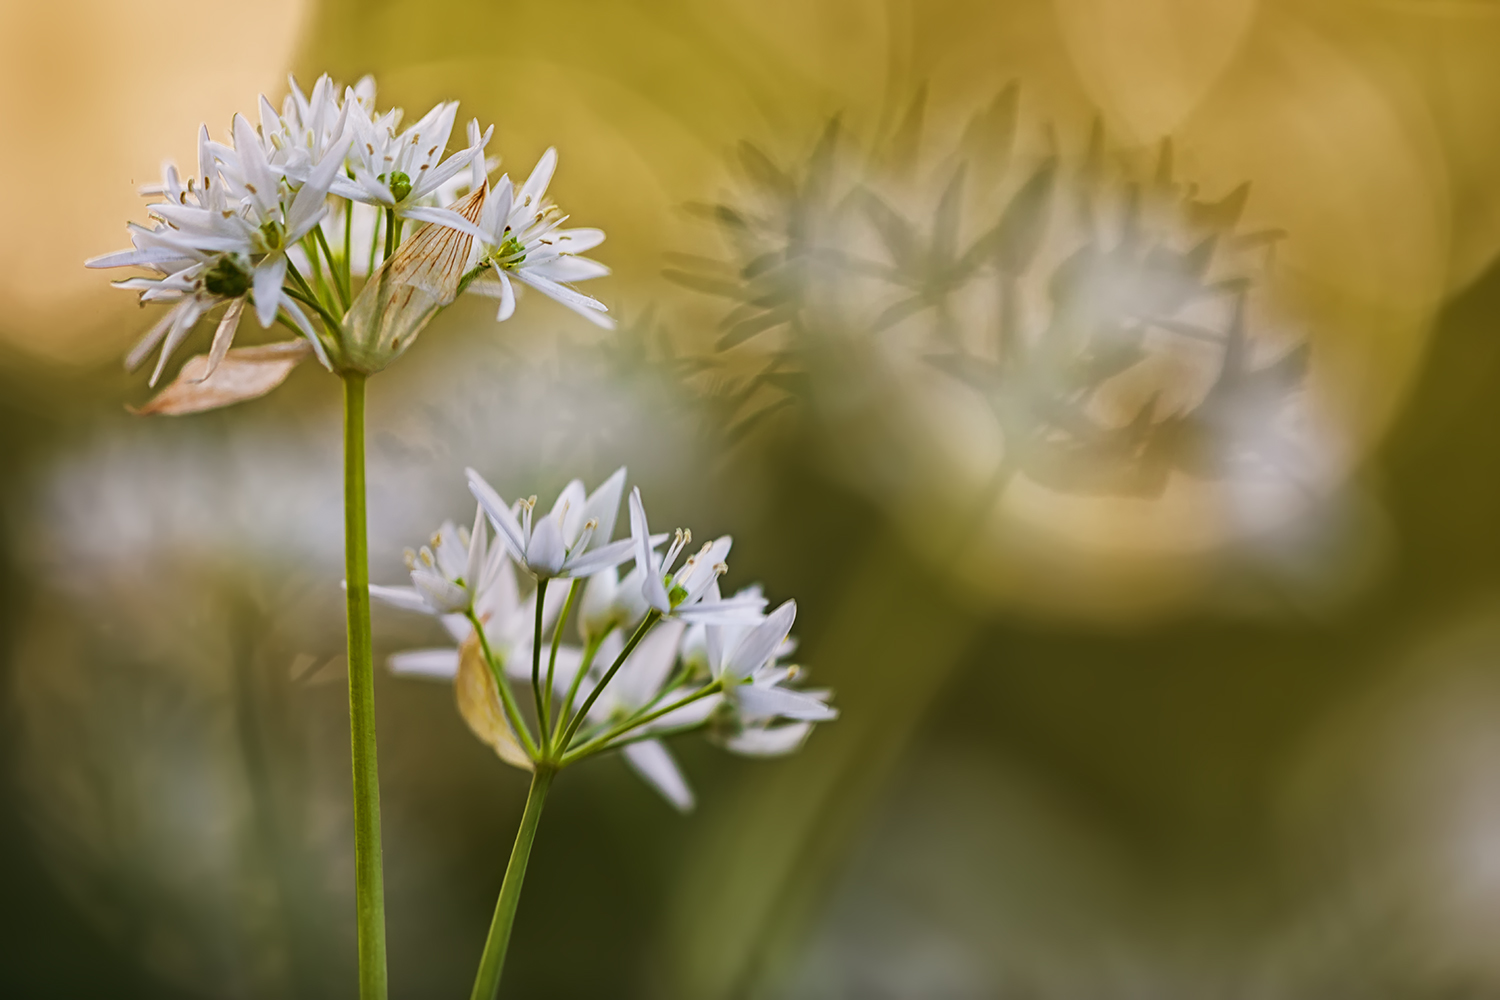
{"x":259,"y":180}
{"x":507,"y":296}
{"x":184,"y":318}
{"x":589,"y":308}
{"x":603,"y":506}
{"x":530,"y":195}
{"x":574,"y":241}
{"x":769,"y":702}
{"x":439,"y":664}
{"x":224,"y":335}
{"x":545,"y":552}
{"x":567,"y":269}
{"x":652,"y":586}
{"x":688,"y":715}
{"x":731,"y":611}
{"x":653,"y":762}
{"x":646,"y":669}
{"x":499,"y":512}
{"x":756,"y":647}
{"x":441,"y":217}
{"x":691,"y":714}
{"x":443,"y":596}
{"x":405,"y":598}
{"x":269,"y":275}
{"x":147,"y":343}
{"x":298,"y":317}
{"x":568,"y":509}
{"x":771,"y":741}
{"x":606,"y":556}
{"x":478,"y":551}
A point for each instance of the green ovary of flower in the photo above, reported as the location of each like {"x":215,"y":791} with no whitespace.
{"x":227,"y":277}
{"x":273,"y":235}
{"x":400,"y":185}
{"x":510,"y":253}
{"x":677,"y":594}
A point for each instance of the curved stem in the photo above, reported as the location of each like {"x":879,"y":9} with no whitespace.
{"x":557,"y":631}
{"x":369,"y":887}
{"x":640,"y":633}
{"x":339,"y":285}
{"x":302,"y":293}
{"x":492,"y":962}
{"x":601,"y":741}
{"x":590,"y":650}
{"x":536,"y":665}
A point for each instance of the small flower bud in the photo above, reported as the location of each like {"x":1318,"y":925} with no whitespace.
{"x":401,"y":298}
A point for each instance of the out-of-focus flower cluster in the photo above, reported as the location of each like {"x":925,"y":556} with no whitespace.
{"x":656,"y":653}
{"x":284,"y":216}
{"x":1022,"y":327}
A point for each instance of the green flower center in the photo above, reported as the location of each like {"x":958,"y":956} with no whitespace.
{"x":400,"y":185}
{"x":227,"y":278}
{"x":510,"y":253}
{"x":273,"y":234}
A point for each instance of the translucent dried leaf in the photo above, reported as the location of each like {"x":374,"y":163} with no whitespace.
{"x":479,"y":704}
{"x":401,"y":298}
{"x":244,"y":373}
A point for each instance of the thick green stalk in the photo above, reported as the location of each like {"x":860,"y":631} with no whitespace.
{"x":487,"y":982}
{"x":369,"y":887}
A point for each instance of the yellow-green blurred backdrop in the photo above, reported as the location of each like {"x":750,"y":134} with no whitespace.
{"x":1183,"y":741}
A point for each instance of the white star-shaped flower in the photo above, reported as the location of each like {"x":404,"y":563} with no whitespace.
{"x":572,"y":540}
{"x":692,"y":592}
{"x":521,"y":237}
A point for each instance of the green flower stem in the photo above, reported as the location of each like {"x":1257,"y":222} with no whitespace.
{"x":512,"y":710}
{"x":307,"y":297}
{"x":557,"y":631}
{"x":536,"y":665}
{"x":374,"y":243}
{"x":369,"y":888}
{"x":601,"y":741}
{"x":487,"y":981}
{"x":390,"y":234}
{"x":340,"y":281}
{"x":651,"y":619}
{"x":590,"y":650}
{"x":348,"y":248}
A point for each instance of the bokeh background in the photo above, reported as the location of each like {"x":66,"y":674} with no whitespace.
{"x":1115,"y":383}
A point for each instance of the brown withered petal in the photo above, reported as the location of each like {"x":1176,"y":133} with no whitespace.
{"x":244,"y":373}
{"x":479,"y":704}
{"x":401,"y":297}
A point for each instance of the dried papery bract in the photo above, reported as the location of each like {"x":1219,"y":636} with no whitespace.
{"x":420,"y":278}
{"x":478,"y":696}
{"x":244,"y":373}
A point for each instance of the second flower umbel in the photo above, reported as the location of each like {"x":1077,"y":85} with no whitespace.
{"x":550,"y":678}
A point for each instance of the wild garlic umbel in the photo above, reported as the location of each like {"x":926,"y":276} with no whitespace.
{"x":549,"y":676}
{"x":329,"y":219}
{"x":288,"y":213}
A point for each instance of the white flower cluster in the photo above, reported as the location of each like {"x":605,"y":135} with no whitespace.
{"x":656,"y":653}
{"x":283,"y":215}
